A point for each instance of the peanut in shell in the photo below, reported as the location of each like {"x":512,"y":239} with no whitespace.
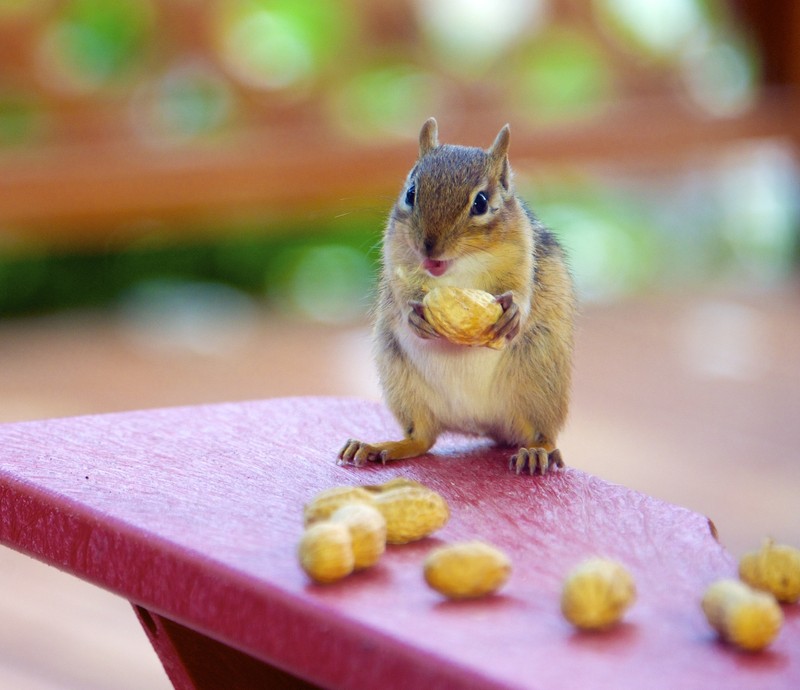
{"x":742,"y":616}
{"x":411,"y":513}
{"x":464,"y":316}
{"x":467,"y":570}
{"x":596,"y":594}
{"x":326,"y":552}
{"x":774,"y":568}
{"x":367,"y":528}
{"x":395,"y":483}
{"x":327,"y":502}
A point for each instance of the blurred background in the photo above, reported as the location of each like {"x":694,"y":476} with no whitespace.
{"x":192,"y":196}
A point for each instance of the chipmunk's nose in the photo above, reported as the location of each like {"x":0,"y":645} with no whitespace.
{"x":429,"y":245}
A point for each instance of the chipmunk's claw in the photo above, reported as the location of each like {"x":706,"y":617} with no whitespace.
{"x":508,"y":324}
{"x":536,"y":460}
{"x":347,"y":453}
{"x":359,"y":454}
{"x":505,"y":300}
{"x":419,"y":324}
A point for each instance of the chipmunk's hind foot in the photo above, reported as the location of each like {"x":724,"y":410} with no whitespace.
{"x":535,"y":460}
{"x":359,"y":453}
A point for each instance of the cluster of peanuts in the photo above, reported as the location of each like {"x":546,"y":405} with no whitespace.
{"x":347,"y":529}
{"x":746,"y":612}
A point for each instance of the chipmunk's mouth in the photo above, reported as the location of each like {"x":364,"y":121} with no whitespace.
{"x":435,"y":267}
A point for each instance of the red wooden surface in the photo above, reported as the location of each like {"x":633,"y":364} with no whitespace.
{"x":194,"y":514}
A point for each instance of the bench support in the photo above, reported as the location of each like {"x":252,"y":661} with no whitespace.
{"x":194,"y":661}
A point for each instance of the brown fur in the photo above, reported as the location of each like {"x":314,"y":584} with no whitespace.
{"x":518,"y":396}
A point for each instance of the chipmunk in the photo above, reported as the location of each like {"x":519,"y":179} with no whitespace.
{"x":458,"y":222}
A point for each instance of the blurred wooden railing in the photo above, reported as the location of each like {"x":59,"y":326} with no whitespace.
{"x":87,"y":186}
{"x":93,"y":177}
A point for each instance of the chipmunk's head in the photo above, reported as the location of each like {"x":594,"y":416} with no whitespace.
{"x":454,"y":199}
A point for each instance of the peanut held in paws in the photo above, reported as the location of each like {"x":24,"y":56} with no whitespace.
{"x":464,"y":316}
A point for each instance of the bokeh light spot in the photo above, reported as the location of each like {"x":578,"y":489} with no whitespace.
{"x":656,"y":28}
{"x":720,"y":77}
{"x":329,"y":283}
{"x":191,"y":100}
{"x":470,"y":34}
{"x":391,"y":99}
{"x":561,"y":75}
{"x":265,"y":51}
{"x":91,"y":43}
{"x":277,"y":44}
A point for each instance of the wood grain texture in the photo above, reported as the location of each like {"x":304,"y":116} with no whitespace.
{"x":195,"y":513}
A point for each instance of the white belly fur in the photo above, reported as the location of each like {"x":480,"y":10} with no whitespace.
{"x":462,"y":380}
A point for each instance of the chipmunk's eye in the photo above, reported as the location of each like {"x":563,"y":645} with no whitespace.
{"x":411,"y":195}
{"x":480,"y":205}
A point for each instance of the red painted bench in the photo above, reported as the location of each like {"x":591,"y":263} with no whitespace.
{"x":193,"y":514}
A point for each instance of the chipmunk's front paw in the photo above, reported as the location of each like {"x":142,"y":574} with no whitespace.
{"x":536,"y":460}
{"x":507,"y":326}
{"x":419,"y":324}
{"x":359,"y":454}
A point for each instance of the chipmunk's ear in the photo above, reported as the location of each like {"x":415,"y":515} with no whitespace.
{"x":498,"y":154}
{"x":428,"y":136}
